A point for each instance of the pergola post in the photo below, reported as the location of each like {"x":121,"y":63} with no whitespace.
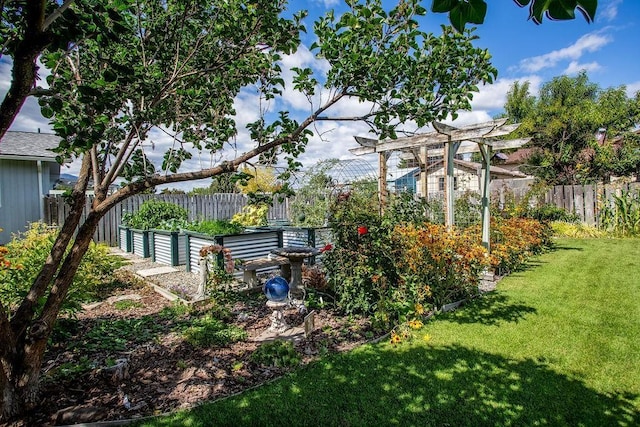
{"x":485,"y":189}
{"x":382,"y":180}
{"x":430,"y":143}
{"x":423,"y":161}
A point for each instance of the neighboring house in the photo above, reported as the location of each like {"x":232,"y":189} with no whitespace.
{"x":466,"y":177}
{"x":513,"y":161}
{"x":28,"y":170}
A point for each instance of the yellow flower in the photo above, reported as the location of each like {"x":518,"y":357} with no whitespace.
{"x":419,"y":309}
{"x":395,"y":338}
{"x":415,"y":324}
{"x":426,"y":338}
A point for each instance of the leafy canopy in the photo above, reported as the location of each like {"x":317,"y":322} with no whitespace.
{"x":574,"y":124}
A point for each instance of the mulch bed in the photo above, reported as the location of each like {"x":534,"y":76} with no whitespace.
{"x":166,"y":373}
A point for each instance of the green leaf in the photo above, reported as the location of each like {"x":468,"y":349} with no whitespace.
{"x":47,"y":112}
{"x":442,"y":6}
{"x":588,"y":9}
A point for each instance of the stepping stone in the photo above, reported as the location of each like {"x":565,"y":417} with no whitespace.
{"x":155,"y":271}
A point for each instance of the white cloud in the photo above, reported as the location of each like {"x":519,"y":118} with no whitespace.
{"x":575,"y":67}
{"x":591,"y":42}
{"x":492,"y":98}
{"x":329,"y":3}
{"x":632,"y":88}
{"x":608,"y":11}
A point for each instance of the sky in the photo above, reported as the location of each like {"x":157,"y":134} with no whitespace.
{"x":521,"y":51}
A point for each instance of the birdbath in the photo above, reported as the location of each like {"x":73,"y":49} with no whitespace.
{"x":296,"y":256}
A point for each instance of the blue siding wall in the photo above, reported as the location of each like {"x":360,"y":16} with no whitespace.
{"x":19,"y":196}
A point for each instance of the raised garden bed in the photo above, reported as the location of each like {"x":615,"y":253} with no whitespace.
{"x":168,"y":247}
{"x":245,"y":246}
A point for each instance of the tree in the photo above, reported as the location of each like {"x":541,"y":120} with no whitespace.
{"x":519,"y":102}
{"x":259,"y":180}
{"x":28,"y":28}
{"x":177,"y":66}
{"x":573,"y":122}
{"x":219,"y":184}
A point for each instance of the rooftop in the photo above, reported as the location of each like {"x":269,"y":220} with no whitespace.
{"x":29,"y":146}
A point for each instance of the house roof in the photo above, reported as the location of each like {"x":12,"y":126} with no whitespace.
{"x":29,"y":146}
{"x":518,"y":157}
{"x":474,"y":167}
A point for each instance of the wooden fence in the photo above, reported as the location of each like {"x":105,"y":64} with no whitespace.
{"x":587,"y":201}
{"x":214,"y":206}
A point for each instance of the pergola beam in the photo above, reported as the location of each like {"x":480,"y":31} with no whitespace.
{"x":451,"y":138}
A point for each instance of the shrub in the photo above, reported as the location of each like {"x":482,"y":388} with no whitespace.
{"x":281,"y":354}
{"x":579,"y":230}
{"x":514,"y":240}
{"x":209,"y":331}
{"x":437,"y":265}
{"x":361,"y":254}
{"x":153,"y":213}
{"x":254,"y":215}
{"x":216,"y":227}
{"x":30,"y":250}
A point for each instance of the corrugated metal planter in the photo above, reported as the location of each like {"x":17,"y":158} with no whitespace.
{"x":168,"y":247}
{"x":245,"y":246}
{"x":124,"y":238}
{"x":316,"y":237}
{"x":140,"y":242}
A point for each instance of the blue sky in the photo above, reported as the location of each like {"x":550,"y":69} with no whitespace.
{"x":607,"y":48}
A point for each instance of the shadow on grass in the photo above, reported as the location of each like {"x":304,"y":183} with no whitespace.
{"x":418,"y":385}
{"x":491,"y":308}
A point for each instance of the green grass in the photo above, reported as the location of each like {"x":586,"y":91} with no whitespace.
{"x":558,"y":344}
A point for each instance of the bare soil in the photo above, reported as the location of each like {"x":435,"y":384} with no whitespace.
{"x":162,"y":372}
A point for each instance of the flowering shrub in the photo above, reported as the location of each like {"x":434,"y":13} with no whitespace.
{"x":515,"y":240}
{"x":23,"y":257}
{"x":221,"y":263}
{"x":252,"y":215}
{"x":359,"y":263}
{"x":437,"y":265}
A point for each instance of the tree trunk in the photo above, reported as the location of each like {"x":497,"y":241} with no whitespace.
{"x":20,"y":376}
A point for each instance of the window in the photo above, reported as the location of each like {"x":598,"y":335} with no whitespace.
{"x":441,"y":183}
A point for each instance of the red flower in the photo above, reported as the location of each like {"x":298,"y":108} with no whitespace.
{"x":362,"y":230}
{"x":326,"y":248}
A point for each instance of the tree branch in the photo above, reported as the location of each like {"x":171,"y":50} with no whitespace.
{"x":56,"y":14}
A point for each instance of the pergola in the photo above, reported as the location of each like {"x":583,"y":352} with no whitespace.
{"x":446,"y":141}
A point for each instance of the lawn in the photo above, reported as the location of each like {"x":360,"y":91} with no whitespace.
{"x":557,"y":344}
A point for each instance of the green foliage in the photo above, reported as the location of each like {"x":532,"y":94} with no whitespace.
{"x":30,"y":250}
{"x":215,"y":227}
{"x":462,"y":12}
{"x":127,"y":304}
{"x":310,"y":205}
{"x":154,"y":213}
{"x":252,"y":215}
{"x":548,"y":212}
{"x":70,"y":370}
{"x":209,"y":331}
{"x":114,"y":335}
{"x":573,"y":122}
{"x":361,"y":251}
{"x":281,"y":354}
{"x":576,"y":230}
{"x":621,"y":215}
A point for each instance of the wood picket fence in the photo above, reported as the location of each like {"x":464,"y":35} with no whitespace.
{"x":585,"y":201}
{"x":211,"y":206}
